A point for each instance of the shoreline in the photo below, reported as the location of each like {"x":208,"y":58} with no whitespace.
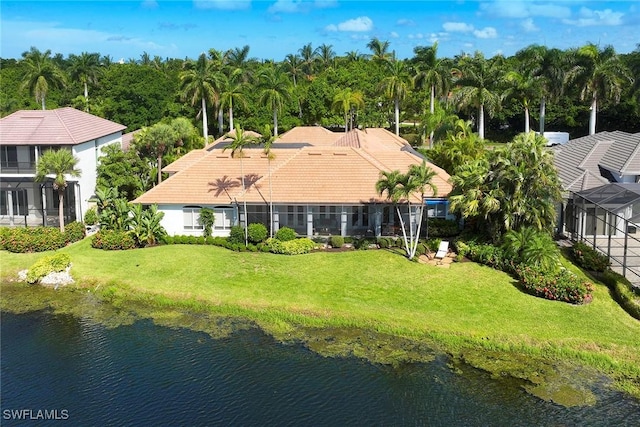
{"x":547,"y":371}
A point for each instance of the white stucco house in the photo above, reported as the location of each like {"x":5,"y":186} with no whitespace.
{"x":24,"y":136}
{"x":317,"y":182}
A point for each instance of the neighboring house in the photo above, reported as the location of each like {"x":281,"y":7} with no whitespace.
{"x":318,"y":181}
{"x":24,"y":136}
{"x":596,"y":161}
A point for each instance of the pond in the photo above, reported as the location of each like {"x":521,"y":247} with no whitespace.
{"x":84,"y":374}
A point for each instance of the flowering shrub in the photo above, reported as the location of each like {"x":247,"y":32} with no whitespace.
{"x":589,"y":258}
{"x":74,"y":231}
{"x":113,"y":240}
{"x":562,"y":286}
{"x":291,"y":247}
{"x":47,"y":264}
{"x":34,"y":239}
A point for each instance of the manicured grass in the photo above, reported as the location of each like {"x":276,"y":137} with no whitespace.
{"x":376,"y":290}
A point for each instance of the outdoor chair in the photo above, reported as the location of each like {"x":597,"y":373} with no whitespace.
{"x":443,"y":250}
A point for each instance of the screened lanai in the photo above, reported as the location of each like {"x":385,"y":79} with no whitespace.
{"x":608,"y":218}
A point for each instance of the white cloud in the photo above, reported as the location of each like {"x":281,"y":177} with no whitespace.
{"x":486,"y":33}
{"x":589,"y":18}
{"x":405,"y":22}
{"x":287,"y":6}
{"x":528,"y":26}
{"x":359,"y":24}
{"x":394,"y":35}
{"x":222,"y":4}
{"x":523,"y":9}
{"x":417,"y":36}
{"x":457,"y":27}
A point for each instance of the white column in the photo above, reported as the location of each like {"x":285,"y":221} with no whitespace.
{"x":343,"y":221}
{"x":44,"y":204}
{"x":309,"y":221}
{"x":76,"y":191}
{"x":10,"y":205}
{"x":276,"y":219}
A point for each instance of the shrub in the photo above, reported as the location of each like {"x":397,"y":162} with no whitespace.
{"x":113,"y":240}
{"x":207,"y":218}
{"x":433,"y":244}
{"x":74,"y":231}
{"x":285,"y":234}
{"x":562,"y":286}
{"x":35,"y":239}
{"x":439,"y":227}
{"x":364,"y":243}
{"x":47,"y":264}
{"x":5,"y":232}
{"x":236,"y":235}
{"x":422,"y":249}
{"x":91,"y":216}
{"x":291,"y":247}
{"x":384,"y":242}
{"x":589,"y":258}
{"x":257,"y":232}
{"x":348,"y":239}
{"x":627,"y":296}
{"x":336,"y":241}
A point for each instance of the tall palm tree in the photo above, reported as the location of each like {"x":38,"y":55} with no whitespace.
{"x":40,"y":73}
{"x":86,"y":69}
{"x":326,"y":55}
{"x":238,"y":57}
{"x":433,"y":73}
{"x":524,"y":87}
{"x":396,"y":86}
{"x":274,"y":88}
{"x":393,"y":183}
{"x":476,"y":79}
{"x":233,"y":92}
{"x":345,"y":101}
{"x":156,"y":141}
{"x":308,"y":56}
{"x":59,"y":163}
{"x":267,"y":140}
{"x":238,"y":142}
{"x":293,"y":65}
{"x":545,"y":66}
{"x":199,"y":83}
{"x":420,"y":177}
{"x":601,"y":75}
{"x":379,"y":50}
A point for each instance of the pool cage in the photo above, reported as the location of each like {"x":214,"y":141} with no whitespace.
{"x":608,"y":219}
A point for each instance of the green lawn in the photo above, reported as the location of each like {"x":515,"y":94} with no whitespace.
{"x":376,"y":290}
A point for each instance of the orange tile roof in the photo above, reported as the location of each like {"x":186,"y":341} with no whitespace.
{"x":62,"y":126}
{"x":316,"y":174}
{"x":185,"y":161}
{"x":313,"y":135}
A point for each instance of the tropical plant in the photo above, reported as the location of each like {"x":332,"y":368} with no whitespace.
{"x":345,"y":101}
{"x":476,"y":79}
{"x":156,"y":141}
{"x":532,"y":247}
{"x":200,"y":83}
{"x":233,"y":92}
{"x":86,"y":69}
{"x":274,"y":91}
{"x":41,"y":72}
{"x":58,"y":163}
{"x":396,"y":86}
{"x":238,"y":142}
{"x":379,"y":50}
{"x":207,"y":219}
{"x":145,"y":225}
{"x":601,"y":75}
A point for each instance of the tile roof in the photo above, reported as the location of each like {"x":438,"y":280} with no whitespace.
{"x":127,"y":139}
{"x":580,"y":162}
{"x":62,"y":126}
{"x":317,"y":174}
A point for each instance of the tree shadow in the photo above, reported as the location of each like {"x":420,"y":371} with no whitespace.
{"x":224,"y":185}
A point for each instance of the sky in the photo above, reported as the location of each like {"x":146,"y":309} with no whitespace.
{"x":275,"y":28}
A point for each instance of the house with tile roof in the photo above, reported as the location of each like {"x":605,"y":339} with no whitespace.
{"x":597,"y":165}
{"x":316,"y":181}
{"x":24,"y":136}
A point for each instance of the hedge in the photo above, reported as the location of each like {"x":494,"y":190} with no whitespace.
{"x":113,"y":240}
{"x":291,"y":247}
{"x":33,"y":239}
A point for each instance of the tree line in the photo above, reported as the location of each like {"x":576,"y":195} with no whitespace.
{"x":580,"y":90}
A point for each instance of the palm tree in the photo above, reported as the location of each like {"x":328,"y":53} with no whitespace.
{"x":396,"y":86}
{"x":199,"y":83}
{"x":393,"y":183}
{"x":353,"y":56}
{"x":308,"y":56}
{"x":420,"y":177}
{"x":524,"y":87}
{"x":41,"y":72}
{"x":601,"y":75}
{"x":379,"y":50}
{"x":433,"y":73}
{"x":157,"y":141}
{"x":476,"y":79}
{"x":345,"y":101}
{"x":293,"y":65}
{"x":274,"y":88}
{"x":267,"y":140}
{"x":238,"y":57}
{"x":545,"y":66}
{"x":233,"y":92}
{"x":239,"y":141}
{"x":86,"y":69}
{"x":325,"y":55}
{"x":59,"y":163}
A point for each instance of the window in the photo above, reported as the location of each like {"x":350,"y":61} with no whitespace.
{"x":223,"y":218}
{"x":19,"y":202}
{"x":191,"y":215}
{"x":437,"y":208}
{"x":9,"y":156}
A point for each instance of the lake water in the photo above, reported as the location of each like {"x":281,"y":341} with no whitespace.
{"x":147,"y":375}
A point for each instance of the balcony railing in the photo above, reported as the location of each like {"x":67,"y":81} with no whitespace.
{"x":17,"y":167}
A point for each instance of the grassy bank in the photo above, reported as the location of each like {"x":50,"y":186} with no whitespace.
{"x":463,"y":309}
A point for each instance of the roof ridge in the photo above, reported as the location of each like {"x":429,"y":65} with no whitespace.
{"x":64,"y":125}
{"x":633,"y":154}
{"x":593,"y":148}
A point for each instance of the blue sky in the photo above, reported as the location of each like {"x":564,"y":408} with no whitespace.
{"x":179,"y":29}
